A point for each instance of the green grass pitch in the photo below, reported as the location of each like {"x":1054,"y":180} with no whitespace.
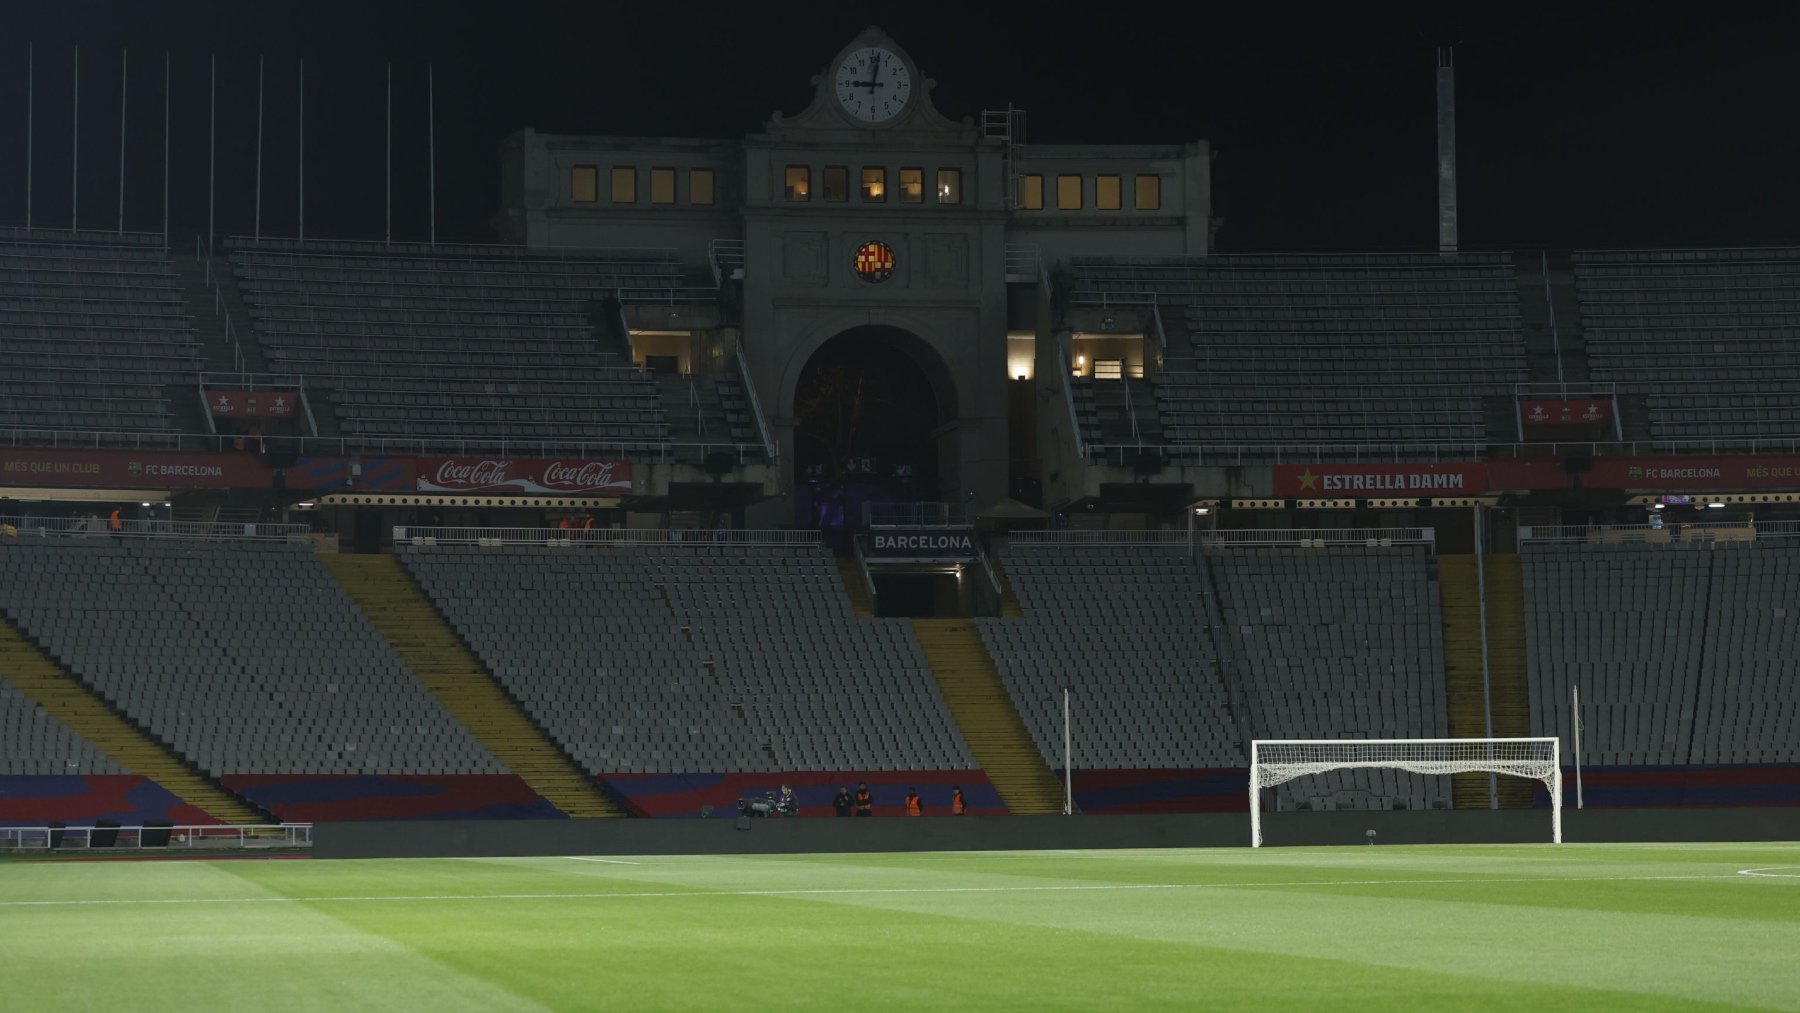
{"x":1384,"y":928}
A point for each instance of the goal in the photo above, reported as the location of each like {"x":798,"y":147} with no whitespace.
{"x":1273,"y":761}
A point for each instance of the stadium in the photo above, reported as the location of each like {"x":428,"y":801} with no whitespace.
{"x":526,"y":620}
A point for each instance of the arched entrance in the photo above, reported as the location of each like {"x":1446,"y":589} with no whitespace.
{"x":869,"y":409}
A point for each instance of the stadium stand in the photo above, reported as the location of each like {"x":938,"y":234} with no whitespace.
{"x":1339,"y":643}
{"x":429,"y":347}
{"x":695,"y":659}
{"x":34,"y":742}
{"x":1681,"y":651}
{"x":94,"y":329}
{"x":1621,"y":622}
{"x":249,"y":660}
{"x":1328,"y":351}
{"x":48,"y":772}
{"x":1709,"y":338}
{"x":1127,"y":630}
{"x":1749,"y":702}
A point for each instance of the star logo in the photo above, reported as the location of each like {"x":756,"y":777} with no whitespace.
{"x":1308,"y":480}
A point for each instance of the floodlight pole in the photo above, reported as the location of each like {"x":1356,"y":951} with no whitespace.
{"x":75,"y":149}
{"x":30,"y":100}
{"x":1068,"y":760}
{"x":124,"y":79}
{"x":256,"y":228}
{"x":166,"y":67}
{"x":302,"y":159}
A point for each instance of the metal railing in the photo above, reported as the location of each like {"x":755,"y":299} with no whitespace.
{"x":203,"y":254}
{"x":255,"y":381}
{"x":1227,"y":455}
{"x":993,"y":578}
{"x":1671,"y":532}
{"x":660,"y":451}
{"x":1078,"y":538}
{"x":268,"y":836}
{"x":624,"y":326}
{"x":436,"y":251}
{"x":672,"y":295}
{"x":770,"y":447}
{"x":1068,"y":385}
{"x":602,"y":537}
{"x":180,"y":531}
{"x":862,"y":567}
{"x":1586,"y":389}
{"x":1233,"y":537}
{"x":1317,"y":538}
{"x":916,"y":515}
{"x":1108,"y":300}
{"x":1023,"y":260}
{"x":727,"y":259}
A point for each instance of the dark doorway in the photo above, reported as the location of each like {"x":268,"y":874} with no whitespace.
{"x":368,"y":530}
{"x":918,"y":595}
{"x":867,"y":409}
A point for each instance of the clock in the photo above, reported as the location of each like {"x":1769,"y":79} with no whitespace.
{"x":873,"y":84}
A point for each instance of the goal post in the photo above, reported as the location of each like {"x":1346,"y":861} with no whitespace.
{"x":1273,"y":761}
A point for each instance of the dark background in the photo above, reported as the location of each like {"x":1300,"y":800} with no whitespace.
{"x":1584,"y":125}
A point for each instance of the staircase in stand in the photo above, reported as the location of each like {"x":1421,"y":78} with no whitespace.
{"x":1506,"y":666}
{"x":407,"y":620}
{"x":1460,"y":599}
{"x":70,"y":701}
{"x":971,"y":686}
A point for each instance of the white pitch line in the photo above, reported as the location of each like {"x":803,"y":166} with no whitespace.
{"x":850,"y":891}
{"x":1773,"y":872}
{"x":608,"y":861}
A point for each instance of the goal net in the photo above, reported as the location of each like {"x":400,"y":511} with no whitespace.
{"x":1273,"y":761}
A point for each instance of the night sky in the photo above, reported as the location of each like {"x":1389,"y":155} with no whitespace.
{"x":1604,"y":125}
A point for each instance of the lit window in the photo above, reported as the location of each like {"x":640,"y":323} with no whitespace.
{"x":1149,"y":193}
{"x":584,"y":184}
{"x":799,"y":182}
{"x":1068,"y":193}
{"x":662,"y":186}
{"x":837,"y":183}
{"x":912,"y":186}
{"x":949,"y":186}
{"x":1107,"y":193}
{"x":700,"y":186}
{"x":1031,"y":192}
{"x":874,"y":185}
{"x":624,"y":185}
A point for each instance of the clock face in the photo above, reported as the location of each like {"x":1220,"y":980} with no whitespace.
{"x":873,"y":84}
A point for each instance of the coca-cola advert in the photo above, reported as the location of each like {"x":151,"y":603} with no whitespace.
{"x":526,"y":476}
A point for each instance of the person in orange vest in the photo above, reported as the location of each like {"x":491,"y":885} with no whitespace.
{"x":958,"y":806}
{"x":865,"y":800}
{"x":912,"y":803}
{"x":115,"y":522}
{"x":563,"y":524}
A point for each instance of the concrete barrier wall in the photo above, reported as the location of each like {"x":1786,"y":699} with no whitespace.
{"x":513,"y":838}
